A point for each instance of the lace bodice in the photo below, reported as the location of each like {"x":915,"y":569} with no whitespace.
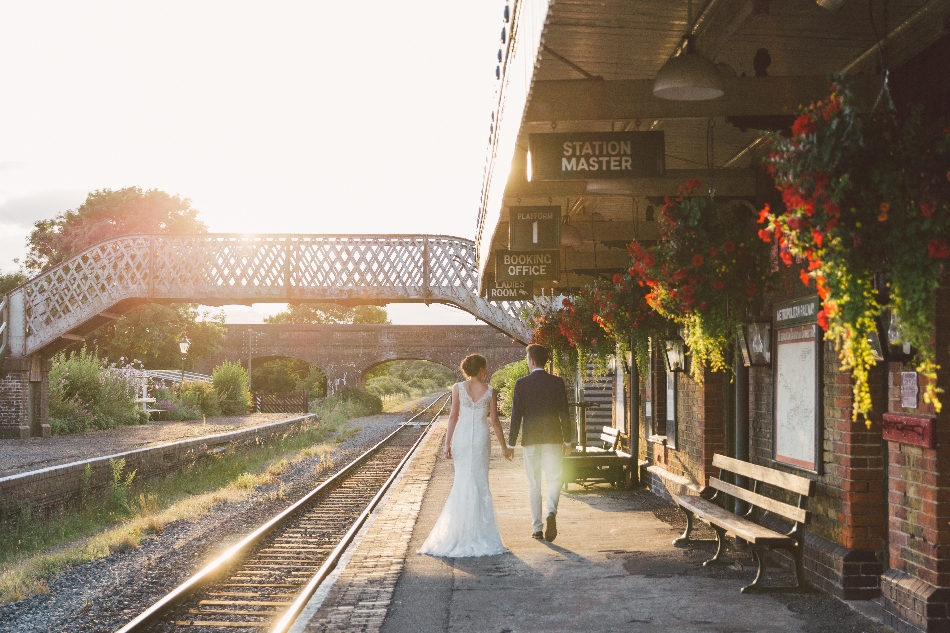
{"x":465,"y":400}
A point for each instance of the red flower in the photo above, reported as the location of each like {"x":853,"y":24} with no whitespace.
{"x":648,"y":259}
{"x":618,"y":278}
{"x":832,"y":209}
{"x":804,"y":276}
{"x":885,"y":207}
{"x":566,"y":302}
{"x":632,"y":272}
{"x":719,"y":284}
{"x":751,"y":290}
{"x":937,"y":249}
{"x":823,"y":319}
{"x":764,"y":214}
{"x":692,"y":185}
{"x":817,"y":236}
{"x":804,"y":125}
{"x":765,"y":235}
{"x":712,"y":251}
{"x":794,"y":223}
{"x":927,"y":207}
{"x":729,"y":246}
{"x":698,"y":260}
{"x":703,"y":305}
{"x":786,"y":257}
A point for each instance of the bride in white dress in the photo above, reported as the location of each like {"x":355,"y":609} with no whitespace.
{"x":467,"y":525}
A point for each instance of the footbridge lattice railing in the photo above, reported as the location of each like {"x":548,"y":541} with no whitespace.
{"x":76,"y":297}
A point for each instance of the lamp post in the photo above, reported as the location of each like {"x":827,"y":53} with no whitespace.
{"x":183,"y":346}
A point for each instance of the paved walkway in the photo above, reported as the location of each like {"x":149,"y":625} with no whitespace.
{"x":611,"y":568}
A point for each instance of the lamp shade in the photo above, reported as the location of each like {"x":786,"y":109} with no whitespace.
{"x":755,"y":343}
{"x":183,"y":345}
{"x":688,"y":77}
{"x":676,"y":354}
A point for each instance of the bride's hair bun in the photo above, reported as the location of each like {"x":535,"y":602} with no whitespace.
{"x":473,"y":364}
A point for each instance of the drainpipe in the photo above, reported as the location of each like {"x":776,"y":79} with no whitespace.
{"x":742,"y":423}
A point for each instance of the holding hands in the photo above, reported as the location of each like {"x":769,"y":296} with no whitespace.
{"x":509,"y":453}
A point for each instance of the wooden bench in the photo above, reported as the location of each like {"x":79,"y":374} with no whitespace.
{"x":745,"y":527}
{"x":602,"y":463}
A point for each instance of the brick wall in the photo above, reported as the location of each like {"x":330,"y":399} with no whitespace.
{"x":48,"y":491}
{"x":24,"y":397}
{"x":916,"y":590}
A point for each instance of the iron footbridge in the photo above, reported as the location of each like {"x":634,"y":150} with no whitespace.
{"x":70,"y":301}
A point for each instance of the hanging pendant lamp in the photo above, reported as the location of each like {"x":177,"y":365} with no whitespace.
{"x":689,"y":76}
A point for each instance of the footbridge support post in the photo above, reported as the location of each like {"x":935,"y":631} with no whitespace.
{"x":24,"y":397}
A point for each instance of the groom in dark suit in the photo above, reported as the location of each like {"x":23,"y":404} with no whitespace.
{"x":540,"y":406}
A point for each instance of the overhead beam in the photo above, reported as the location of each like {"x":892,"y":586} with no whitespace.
{"x":594,"y":100}
{"x":737,"y":183}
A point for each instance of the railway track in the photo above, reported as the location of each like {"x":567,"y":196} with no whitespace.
{"x":264,"y":581}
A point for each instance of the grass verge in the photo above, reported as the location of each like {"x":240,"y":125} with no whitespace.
{"x":33,"y":551}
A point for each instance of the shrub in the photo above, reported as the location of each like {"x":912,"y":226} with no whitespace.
{"x":87,"y":393}
{"x":174,"y":411}
{"x":231,"y":386}
{"x":200,"y":396}
{"x":503,"y":380}
{"x":387,"y":385}
{"x":361,"y":402}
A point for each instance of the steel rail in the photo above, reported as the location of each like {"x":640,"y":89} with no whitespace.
{"x":287,"y":620}
{"x":236,"y":552}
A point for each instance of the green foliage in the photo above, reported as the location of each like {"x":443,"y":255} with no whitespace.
{"x":119,"y":493}
{"x":150,"y":334}
{"x":362,"y":402}
{"x":230,"y":383}
{"x":104,"y":215}
{"x":288,"y":375}
{"x":503,"y":380}
{"x":303,"y":313}
{"x":408,"y":378}
{"x":200,"y":396}
{"x":9,"y":281}
{"x":87,"y":393}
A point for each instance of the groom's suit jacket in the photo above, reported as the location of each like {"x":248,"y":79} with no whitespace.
{"x":540,"y":406}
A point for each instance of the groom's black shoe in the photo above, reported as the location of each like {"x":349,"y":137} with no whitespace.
{"x":537,"y":535}
{"x":550,"y":531}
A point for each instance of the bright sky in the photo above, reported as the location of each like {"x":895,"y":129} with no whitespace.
{"x":303,"y":117}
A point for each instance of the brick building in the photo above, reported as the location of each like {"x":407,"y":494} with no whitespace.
{"x":881,"y":512}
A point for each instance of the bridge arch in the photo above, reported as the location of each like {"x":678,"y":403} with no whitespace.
{"x":346,"y":352}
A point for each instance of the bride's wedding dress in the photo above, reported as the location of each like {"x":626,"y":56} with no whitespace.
{"x":467,"y":525}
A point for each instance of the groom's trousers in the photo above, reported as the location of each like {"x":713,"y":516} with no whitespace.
{"x":546,"y":458}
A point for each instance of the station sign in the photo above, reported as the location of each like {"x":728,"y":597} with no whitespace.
{"x":527,"y":266}
{"x":534,"y":228}
{"x":596,"y":155}
{"x":511,"y":291}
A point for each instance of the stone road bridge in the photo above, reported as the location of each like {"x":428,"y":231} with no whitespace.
{"x":346,"y":352}
{"x":70,"y":301}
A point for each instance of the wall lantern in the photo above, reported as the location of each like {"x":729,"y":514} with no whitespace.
{"x":755,"y":343}
{"x":688,"y":77}
{"x":676,"y":354}
{"x":889,"y":329}
{"x":628,"y":361}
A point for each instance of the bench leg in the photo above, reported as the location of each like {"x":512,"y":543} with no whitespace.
{"x":720,"y":550}
{"x":684,"y":540}
{"x":801,"y":586}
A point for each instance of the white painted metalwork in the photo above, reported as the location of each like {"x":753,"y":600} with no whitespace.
{"x":216,"y":269}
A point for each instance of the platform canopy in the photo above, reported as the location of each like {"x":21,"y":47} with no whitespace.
{"x":578,"y":68}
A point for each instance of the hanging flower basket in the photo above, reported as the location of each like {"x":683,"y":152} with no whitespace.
{"x":705,"y":274}
{"x":866,"y":194}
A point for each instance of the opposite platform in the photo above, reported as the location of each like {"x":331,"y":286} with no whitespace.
{"x":611,"y":568}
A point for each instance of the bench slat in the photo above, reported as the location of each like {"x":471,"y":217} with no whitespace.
{"x":794,"y":483}
{"x":735,"y":525}
{"x":766,"y":503}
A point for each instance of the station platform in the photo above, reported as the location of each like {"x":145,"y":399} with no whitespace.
{"x":611,"y":568}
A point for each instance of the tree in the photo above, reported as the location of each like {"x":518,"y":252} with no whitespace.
{"x":106,"y":214}
{"x":9,"y":281}
{"x":303,"y":313}
{"x":150,"y":333}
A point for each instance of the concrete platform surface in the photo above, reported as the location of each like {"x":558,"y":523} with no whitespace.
{"x":611,"y":568}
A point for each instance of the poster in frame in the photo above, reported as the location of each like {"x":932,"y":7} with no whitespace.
{"x":796,"y":422}
{"x":671,"y":409}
